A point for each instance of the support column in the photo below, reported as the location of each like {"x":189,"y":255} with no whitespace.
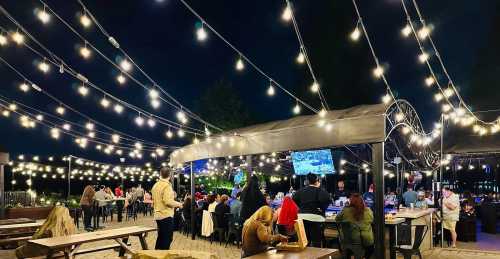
{"x":360,"y":181}
{"x":4,"y":159}
{"x":69,"y":178}
{"x":378,"y":180}
{"x":193,"y":214}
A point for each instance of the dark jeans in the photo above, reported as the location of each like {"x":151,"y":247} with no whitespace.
{"x":87,"y":216}
{"x":313,"y":233}
{"x":165,"y":233}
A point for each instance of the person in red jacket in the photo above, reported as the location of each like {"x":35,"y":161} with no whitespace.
{"x":118,"y":192}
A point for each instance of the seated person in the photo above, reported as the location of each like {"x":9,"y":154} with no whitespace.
{"x":359,"y":215}
{"x":256,"y":233}
{"x":58,"y":223}
{"x":286,"y":216}
{"x":421,"y":202}
{"x":220,"y":211}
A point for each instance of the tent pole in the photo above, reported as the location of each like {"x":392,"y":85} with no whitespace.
{"x":441,"y":177}
{"x":360,"y":181}
{"x":69,"y":177}
{"x":378,"y":179}
{"x":193,"y":217}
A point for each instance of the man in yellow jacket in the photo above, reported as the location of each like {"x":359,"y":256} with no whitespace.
{"x":164,"y":205}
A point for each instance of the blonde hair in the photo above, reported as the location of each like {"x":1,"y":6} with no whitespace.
{"x":264,"y":214}
{"x":58,"y":223}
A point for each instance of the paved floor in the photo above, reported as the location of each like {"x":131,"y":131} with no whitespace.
{"x":487,"y":242}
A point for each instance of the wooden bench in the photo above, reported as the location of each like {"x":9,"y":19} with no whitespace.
{"x":16,"y":221}
{"x":69,"y":245}
{"x":14,"y":233}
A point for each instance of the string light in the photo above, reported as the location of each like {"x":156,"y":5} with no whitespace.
{"x":151,"y":122}
{"x":239,"y":64}
{"x":85,"y":52}
{"x":18,"y":38}
{"x":300,"y":58}
{"x":423,"y":57}
{"x":43,"y":16}
{"x":118,"y":108}
{"x":429,"y":81}
{"x":85,"y":20}
{"x":153,"y":93}
{"x":386,"y":99}
{"x":438,"y":97}
{"x":6,"y":113}
{"x":115,"y":138}
{"x":66,"y":127}
{"x":424,"y":32}
{"x":89,"y":126}
{"x":378,"y":72}
{"x":121,"y":79}
{"x":60,"y":110}
{"x":201,"y":34}
{"x":270,"y":89}
{"x":406,"y":31}
{"x":296,"y":108}
{"x":24,"y":87}
{"x":39,"y":117}
{"x":44,"y":66}
{"x":3,"y":40}
{"x":105,"y":102}
{"x":83,"y":90}
{"x":196,"y":140}
{"x":180,"y":133}
{"x":322,"y":113}
{"x":315,"y":87}
{"x":448,"y":92}
{"x":12,"y":107}
{"x":355,"y":34}
{"x":155,"y":103}
{"x":126,"y":65}
{"x":287,"y":14}
{"x":139,"y":120}
{"x":181,"y":116}
{"x":169,"y":134}
{"x":54,"y":133}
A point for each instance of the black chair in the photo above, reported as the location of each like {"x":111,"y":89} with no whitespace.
{"x":331,"y":234}
{"x":235,"y":228}
{"x":220,"y":231}
{"x":185,"y":225}
{"x":349,"y":245}
{"x":409,"y":250}
{"x":488,"y":218}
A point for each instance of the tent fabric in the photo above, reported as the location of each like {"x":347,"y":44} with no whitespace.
{"x":355,"y":125}
{"x":463,"y":141}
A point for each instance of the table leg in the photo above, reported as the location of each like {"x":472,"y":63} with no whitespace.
{"x":123,"y":244}
{"x":142,"y":239}
{"x":50,"y":253}
{"x":392,"y":241}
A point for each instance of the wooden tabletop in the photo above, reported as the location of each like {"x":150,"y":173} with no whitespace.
{"x":393,"y":221}
{"x":413,"y":213}
{"x":65,"y":241}
{"x":16,"y":221}
{"x":309,"y":253}
{"x":22,"y":225}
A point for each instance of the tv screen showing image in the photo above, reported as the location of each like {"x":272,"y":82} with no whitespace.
{"x":313,"y":161}
{"x":198,"y":167}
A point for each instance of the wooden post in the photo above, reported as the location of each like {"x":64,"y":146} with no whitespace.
{"x":378,"y":179}
{"x":193,"y":214}
{"x":4,"y":159}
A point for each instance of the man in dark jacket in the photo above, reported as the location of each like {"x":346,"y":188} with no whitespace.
{"x":312,"y":202}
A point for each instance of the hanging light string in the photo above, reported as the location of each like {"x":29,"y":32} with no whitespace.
{"x":115,"y":44}
{"x":56,"y":100}
{"x":247,"y":60}
{"x":59,"y":62}
{"x":495,"y":124}
{"x":7,"y":106}
{"x":380,"y":73}
{"x":86,"y":82}
{"x":303,"y":51}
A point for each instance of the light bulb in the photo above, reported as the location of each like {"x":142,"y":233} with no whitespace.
{"x":3,"y":40}
{"x":90,"y":126}
{"x":153,"y":93}
{"x":126,"y":65}
{"x":5,"y":113}
{"x":201,"y":34}
{"x":155,"y":103}
{"x":181,"y":116}
{"x":448,"y":92}
{"x":181,"y":133}
{"x":85,"y":21}
{"x":121,"y":79}
{"x":322,"y":113}
{"x":169,"y":134}
{"x":423,"y":57}
{"x":39,"y":117}
{"x":12,"y":107}
{"x":60,"y":110}
{"x":85,"y":52}
{"x":438,"y":97}
{"x":287,"y":14}
{"x":378,"y":71}
{"x":315,"y":87}
{"x":300,"y":58}
{"x":54,"y":133}
{"x":196,"y":140}
{"x":118,"y":108}
{"x":296,"y":109}
{"x":139,"y":121}
{"x":105,"y":102}
{"x":355,"y":34}
{"x":24,"y":87}
{"x":386,"y":99}
{"x":18,"y":38}
{"x":239,"y":64}
{"x":446,"y":107}
{"x":83,"y":90}
{"x":399,"y":117}
{"x":43,"y":16}
{"x":66,"y":127}
{"x":429,"y":81}
{"x":424,"y":32}
{"x":115,"y":138}
{"x":91,"y":134}
{"x":44,"y":66}
{"x":270,"y":90}
{"x":151,"y":122}
{"x":406,"y":30}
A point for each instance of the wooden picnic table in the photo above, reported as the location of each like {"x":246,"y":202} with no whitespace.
{"x":15,"y":221}
{"x":70,"y":244}
{"x":308,"y":252}
{"x":15,"y":233}
{"x":17,"y":227}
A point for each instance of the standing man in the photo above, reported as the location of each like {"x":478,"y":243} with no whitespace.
{"x":369,"y":197}
{"x":451,"y":211}
{"x":312,"y":202}
{"x":164,"y":204}
{"x":410,"y":196}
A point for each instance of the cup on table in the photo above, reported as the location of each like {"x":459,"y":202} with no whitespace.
{"x":412,"y":205}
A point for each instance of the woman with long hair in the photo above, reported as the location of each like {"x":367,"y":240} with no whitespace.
{"x":357,"y":218}
{"x":58,"y":223}
{"x":86,"y":203}
{"x":256,"y":233}
{"x":251,"y":198}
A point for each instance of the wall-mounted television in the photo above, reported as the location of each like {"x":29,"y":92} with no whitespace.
{"x":313,"y":161}
{"x":198,"y":166}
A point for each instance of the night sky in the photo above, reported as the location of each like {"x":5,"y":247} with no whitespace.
{"x":160,"y":36}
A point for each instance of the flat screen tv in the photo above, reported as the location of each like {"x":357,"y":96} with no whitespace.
{"x":198,"y":167}
{"x":313,"y":161}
